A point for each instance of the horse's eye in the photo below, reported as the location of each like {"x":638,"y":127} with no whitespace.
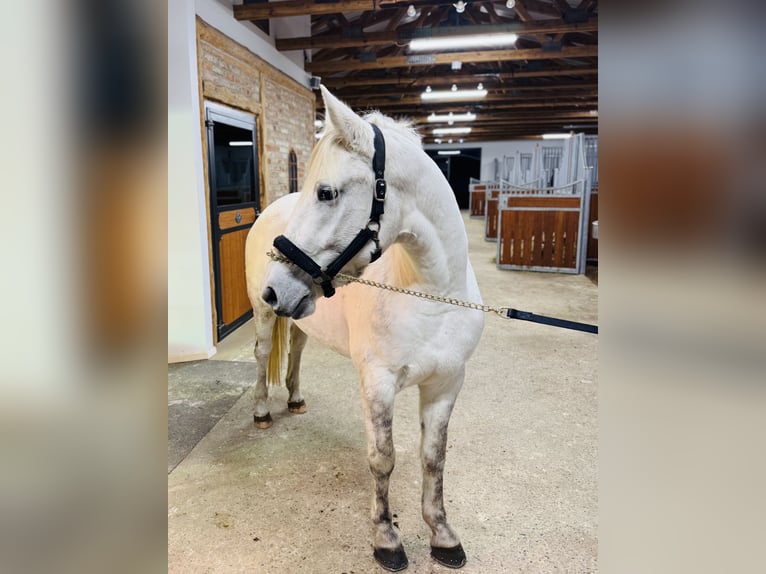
{"x":326,"y":192}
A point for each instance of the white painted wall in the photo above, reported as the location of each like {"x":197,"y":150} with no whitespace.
{"x":190,"y":330}
{"x":492,"y":150}
{"x":293,"y":27}
{"x":219,"y":14}
{"x":190,"y":313}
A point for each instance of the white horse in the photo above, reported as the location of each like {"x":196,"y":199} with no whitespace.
{"x":394,"y":340}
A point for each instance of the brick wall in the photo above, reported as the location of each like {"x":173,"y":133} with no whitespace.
{"x":231,"y":74}
{"x":289,"y":125}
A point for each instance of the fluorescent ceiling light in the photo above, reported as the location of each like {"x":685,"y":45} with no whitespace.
{"x":467,"y":117}
{"x":450,"y":152}
{"x":556,"y":136}
{"x":240,"y":143}
{"x":434,"y":95}
{"x":455,"y":42}
{"x":448,"y":131}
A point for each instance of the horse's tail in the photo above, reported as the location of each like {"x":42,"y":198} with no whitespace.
{"x":278,"y":351}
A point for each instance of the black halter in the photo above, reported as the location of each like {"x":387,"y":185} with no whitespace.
{"x":324,"y":277}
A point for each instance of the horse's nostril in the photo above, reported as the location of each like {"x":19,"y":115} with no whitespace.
{"x":269,"y":296}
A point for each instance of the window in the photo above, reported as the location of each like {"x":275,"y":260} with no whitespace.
{"x":234,"y":165}
{"x":292,"y":171}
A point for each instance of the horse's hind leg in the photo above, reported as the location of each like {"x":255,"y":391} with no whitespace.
{"x":295,"y":402}
{"x":436,"y":402}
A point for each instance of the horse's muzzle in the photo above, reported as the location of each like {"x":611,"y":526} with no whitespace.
{"x":304,"y":307}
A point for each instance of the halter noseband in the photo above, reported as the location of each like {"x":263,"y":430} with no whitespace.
{"x":324,"y":277}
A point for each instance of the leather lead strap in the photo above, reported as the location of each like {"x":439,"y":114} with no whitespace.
{"x":554,"y":322}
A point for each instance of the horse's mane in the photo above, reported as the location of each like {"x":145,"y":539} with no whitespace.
{"x":404,"y":128}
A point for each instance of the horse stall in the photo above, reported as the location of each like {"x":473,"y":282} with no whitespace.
{"x":491,"y":205}
{"x":477,"y":191}
{"x":522,"y":174}
{"x":541,"y":231}
{"x":546,"y":228}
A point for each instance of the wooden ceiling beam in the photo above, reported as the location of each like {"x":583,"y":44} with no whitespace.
{"x":539,"y":7}
{"x":506,"y":102}
{"x":299,"y":8}
{"x":448,"y":58}
{"x":574,"y":86}
{"x":489,"y":120}
{"x":306,"y":7}
{"x":393,"y":37}
{"x":402,"y":80}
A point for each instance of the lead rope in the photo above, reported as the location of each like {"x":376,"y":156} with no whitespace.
{"x":504,"y":312}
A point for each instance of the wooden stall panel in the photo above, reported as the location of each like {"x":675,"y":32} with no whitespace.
{"x":233,"y":287}
{"x":538,"y":238}
{"x":490,"y":218}
{"x":478,"y":202}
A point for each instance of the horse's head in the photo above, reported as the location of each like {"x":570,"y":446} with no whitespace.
{"x":335,"y":204}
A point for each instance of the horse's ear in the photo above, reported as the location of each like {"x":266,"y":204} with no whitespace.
{"x":351,"y":130}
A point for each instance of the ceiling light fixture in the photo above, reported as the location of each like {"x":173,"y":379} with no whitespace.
{"x":510,"y":4}
{"x":451,"y":131}
{"x":433,"y":95}
{"x":466,"y":117}
{"x":556,"y":136}
{"x":240,"y":143}
{"x":449,"y":152}
{"x":454,"y":42}
{"x":411,"y":11}
{"x":459,"y":7}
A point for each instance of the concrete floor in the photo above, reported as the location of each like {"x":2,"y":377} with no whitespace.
{"x":520,"y":479}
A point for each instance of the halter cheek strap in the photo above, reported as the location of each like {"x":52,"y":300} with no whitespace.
{"x":324,"y":277}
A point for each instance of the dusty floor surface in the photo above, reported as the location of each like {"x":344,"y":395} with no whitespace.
{"x":520,"y":479}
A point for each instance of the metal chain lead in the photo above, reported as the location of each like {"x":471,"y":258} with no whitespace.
{"x":501,"y":311}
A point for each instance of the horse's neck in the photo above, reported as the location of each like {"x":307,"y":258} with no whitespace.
{"x":434,"y":237}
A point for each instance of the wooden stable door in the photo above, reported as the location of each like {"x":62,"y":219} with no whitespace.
{"x":234,"y":194}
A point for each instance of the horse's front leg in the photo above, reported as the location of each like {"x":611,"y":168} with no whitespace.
{"x":378,"y":407}
{"x":436,"y":402}
{"x":295,"y":402}
{"x":264,"y":324}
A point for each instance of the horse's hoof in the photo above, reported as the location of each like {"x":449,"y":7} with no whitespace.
{"x":297,"y":408}
{"x":391,"y":560}
{"x":263,"y":422}
{"x":451,"y":557}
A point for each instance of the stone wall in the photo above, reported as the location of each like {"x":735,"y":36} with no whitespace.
{"x":233,"y":75}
